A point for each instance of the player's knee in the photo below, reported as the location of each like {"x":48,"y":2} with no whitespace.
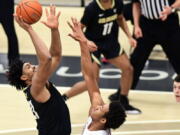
{"x":97,"y":79}
{"x":129,"y":69}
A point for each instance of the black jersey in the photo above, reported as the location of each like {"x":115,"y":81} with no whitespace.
{"x":100,"y":23}
{"x":52,"y":116}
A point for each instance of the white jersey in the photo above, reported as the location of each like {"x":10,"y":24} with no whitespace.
{"x":86,"y":131}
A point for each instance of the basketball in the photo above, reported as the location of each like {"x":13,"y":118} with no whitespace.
{"x":30,"y":10}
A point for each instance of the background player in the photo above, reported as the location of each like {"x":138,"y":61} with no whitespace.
{"x":176,"y":88}
{"x":102,"y":19}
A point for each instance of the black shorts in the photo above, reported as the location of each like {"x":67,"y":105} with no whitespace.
{"x":109,"y":50}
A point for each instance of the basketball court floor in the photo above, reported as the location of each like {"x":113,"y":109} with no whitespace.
{"x":160,"y":112}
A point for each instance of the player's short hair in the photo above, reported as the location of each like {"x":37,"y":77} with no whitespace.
{"x":14,"y":74}
{"x":116,"y":115}
{"x":177,"y":78}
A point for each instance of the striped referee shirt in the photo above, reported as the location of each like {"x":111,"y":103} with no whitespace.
{"x":151,"y":9}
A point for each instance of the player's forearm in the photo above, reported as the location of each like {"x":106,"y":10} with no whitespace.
{"x":86,"y":63}
{"x":55,"y":48}
{"x":40,"y":47}
{"x":92,"y":86}
{"x":176,"y":4}
{"x":87,"y":69}
{"x":136,"y":14}
{"x":124,"y":26}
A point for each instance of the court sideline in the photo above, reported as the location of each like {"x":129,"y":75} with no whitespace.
{"x":160,"y":113}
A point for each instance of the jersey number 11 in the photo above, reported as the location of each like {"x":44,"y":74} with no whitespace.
{"x":107,"y":28}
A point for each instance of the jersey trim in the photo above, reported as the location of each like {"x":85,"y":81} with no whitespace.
{"x":101,"y":7}
{"x":96,"y":59}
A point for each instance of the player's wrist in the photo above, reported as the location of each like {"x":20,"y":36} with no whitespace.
{"x":54,"y":29}
{"x":29,"y":29}
{"x":173,"y":9}
{"x":83,"y":40}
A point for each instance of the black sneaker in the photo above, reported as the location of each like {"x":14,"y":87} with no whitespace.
{"x":114,"y":96}
{"x":129,"y":108}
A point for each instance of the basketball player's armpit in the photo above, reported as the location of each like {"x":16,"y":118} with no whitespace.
{"x":41,"y":77}
{"x":43,"y":71}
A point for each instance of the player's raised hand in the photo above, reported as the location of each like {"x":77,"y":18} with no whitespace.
{"x":52,"y":17}
{"x":77,"y":33}
{"x":21,"y":23}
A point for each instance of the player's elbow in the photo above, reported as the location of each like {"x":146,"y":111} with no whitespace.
{"x":46,"y":61}
{"x":56,"y":55}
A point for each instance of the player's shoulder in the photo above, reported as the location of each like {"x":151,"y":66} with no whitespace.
{"x":92,"y":5}
{"x":118,"y":2}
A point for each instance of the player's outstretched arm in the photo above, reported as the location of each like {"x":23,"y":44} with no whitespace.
{"x":52,"y":22}
{"x":44,"y":58}
{"x":86,"y":64}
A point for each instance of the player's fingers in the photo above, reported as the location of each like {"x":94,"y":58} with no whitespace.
{"x":73,"y":20}
{"x":51,"y":9}
{"x":47,"y":13}
{"x":70,"y":25}
{"x":17,"y":19}
{"x":76,"y":22}
{"x":71,"y":35}
{"x":164,"y":18}
{"x":21,"y":19}
{"x":54,"y":9}
{"x":14,"y":15}
{"x":58,"y":14}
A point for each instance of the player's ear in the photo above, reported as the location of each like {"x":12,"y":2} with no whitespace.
{"x":103,"y":120}
{"x":24,"y":77}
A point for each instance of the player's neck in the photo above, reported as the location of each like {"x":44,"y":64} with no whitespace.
{"x":106,"y":3}
{"x":28,"y":82}
{"x":96,"y":126}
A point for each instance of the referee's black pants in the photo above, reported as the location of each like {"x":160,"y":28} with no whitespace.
{"x":7,"y":21}
{"x":166,"y":33}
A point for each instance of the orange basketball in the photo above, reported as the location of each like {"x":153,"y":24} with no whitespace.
{"x":30,"y":10}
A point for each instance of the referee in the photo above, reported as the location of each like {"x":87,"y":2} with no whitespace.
{"x":7,"y":21}
{"x":155,"y":22}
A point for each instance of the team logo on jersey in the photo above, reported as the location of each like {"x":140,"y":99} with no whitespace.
{"x":100,"y":15}
{"x":107,"y":19}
